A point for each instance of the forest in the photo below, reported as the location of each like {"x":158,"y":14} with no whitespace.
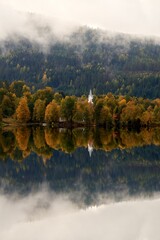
{"x":20,"y":106}
{"x":86,"y":59}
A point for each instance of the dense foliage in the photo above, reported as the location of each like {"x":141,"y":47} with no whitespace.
{"x":19,"y":105}
{"x":87,"y":59}
{"x":18,"y":143}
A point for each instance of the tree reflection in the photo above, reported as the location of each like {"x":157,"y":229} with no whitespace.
{"x":68,"y":142}
{"x":52,"y":137}
{"x":7,"y":143}
{"x":22,"y":136}
{"x":43,"y":141}
{"x":38,"y":137}
{"x":119,"y":166}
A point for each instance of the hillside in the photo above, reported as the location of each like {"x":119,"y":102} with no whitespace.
{"x":86,"y":59}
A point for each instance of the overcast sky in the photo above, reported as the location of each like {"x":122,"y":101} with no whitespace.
{"x":129,"y":16}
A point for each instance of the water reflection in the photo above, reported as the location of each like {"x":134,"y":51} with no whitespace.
{"x":118,"y":163}
{"x":79,"y":184}
{"x":44,"y":216}
{"x":43,"y":141}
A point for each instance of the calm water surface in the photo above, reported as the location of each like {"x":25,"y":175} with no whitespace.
{"x":80,"y":184}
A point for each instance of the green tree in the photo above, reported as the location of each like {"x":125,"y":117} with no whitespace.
{"x":58,"y":97}
{"x":46,"y":94}
{"x":0,"y":114}
{"x":17,"y":87}
{"x":8,"y":106}
{"x":68,"y":107}
{"x":97,"y":110}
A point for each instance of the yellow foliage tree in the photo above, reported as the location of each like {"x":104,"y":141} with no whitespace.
{"x":83,"y":112}
{"x":39,"y":110}
{"x":52,"y":112}
{"x":22,"y":111}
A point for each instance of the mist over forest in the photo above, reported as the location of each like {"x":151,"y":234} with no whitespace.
{"x":82,"y":59}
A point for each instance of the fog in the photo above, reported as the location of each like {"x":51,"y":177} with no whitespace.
{"x":140,"y":17}
{"x":35,"y":27}
{"x":47,"y":216}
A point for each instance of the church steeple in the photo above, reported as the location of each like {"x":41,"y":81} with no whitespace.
{"x":90,"y":97}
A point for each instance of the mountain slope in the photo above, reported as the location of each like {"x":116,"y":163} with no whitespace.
{"x":86,"y":59}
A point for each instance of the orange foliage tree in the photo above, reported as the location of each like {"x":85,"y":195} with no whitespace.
{"x":22,"y":111}
{"x":52,"y":112}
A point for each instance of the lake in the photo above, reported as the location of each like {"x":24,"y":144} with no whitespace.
{"x":79,"y":184}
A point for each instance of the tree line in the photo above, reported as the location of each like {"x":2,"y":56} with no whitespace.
{"x":20,"y":105}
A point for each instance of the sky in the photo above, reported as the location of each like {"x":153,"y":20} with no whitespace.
{"x":140,"y":17}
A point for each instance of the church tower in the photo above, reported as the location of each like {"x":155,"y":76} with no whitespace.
{"x":90,"y":97}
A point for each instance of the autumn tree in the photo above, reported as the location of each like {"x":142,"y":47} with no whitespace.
{"x":22,"y":111}
{"x":52,"y":112}
{"x":83,"y":112}
{"x":132,"y":113}
{"x":105,"y":117}
{"x":156,"y":115}
{"x":39,"y":110}
{"x":147,"y":116}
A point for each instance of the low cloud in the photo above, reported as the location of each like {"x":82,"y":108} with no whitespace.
{"x":35,"y":27}
{"x":134,"y":17}
{"x":48,"y":216}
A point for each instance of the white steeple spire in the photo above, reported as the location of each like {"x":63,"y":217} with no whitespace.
{"x":90,"y":97}
{"x":90,"y":149}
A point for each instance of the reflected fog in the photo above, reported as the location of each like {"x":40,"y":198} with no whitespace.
{"x":79,"y":184}
{"x":42,"y":216}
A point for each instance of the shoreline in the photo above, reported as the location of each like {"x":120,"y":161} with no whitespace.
{"x":13,"y":123}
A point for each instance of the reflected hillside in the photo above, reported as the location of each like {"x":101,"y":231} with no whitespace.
{"x":117,"y":164}
{"x":19,"y":143}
